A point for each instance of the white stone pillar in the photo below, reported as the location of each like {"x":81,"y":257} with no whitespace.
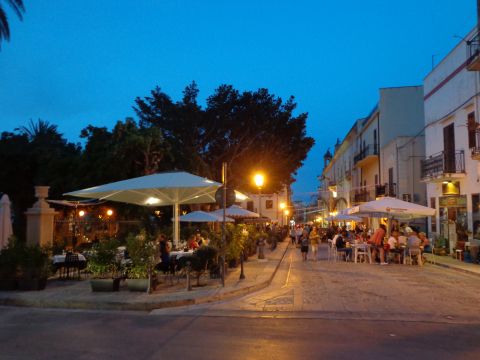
{"x":40,"y":219}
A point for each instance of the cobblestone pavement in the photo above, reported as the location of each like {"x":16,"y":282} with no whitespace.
{"x":339,"y":290}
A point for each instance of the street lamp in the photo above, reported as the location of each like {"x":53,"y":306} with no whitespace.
{"x":286,"y":212}
{"x":282,"y":207}
{"x":259,"y":180}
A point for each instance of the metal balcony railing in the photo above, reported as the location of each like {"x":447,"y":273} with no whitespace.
{"x":476,"y":149}
{"x":386,"y":190}
{"x":473,"y":53}
{"x":443,"y":163}
{"x":362,"y":195}
{"x":368,"y":150}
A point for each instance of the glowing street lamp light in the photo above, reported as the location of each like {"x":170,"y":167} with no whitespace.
{"x":259,"y":180}
{"x":109,"y":212}
{"x":81,"y":213}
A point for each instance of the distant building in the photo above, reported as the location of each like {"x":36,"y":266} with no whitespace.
{"x":272,"y":206}
{"x":451,"y":168}
{"x":380,"y":155}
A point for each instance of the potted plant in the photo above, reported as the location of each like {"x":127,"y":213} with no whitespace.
{"x":104,"y":266}
{"x":34,"y":267}
{"x":236,"y":238}
{"x":8,"y":266}
{"x":142,"y":252}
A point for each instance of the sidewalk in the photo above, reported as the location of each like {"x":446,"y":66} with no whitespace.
{"x":454,"y":264}
{"x":78,"y":295}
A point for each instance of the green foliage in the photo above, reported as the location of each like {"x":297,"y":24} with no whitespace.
{"x":248,"y":130}
{"x":143,"y":253}
{"x":103,"y":263}
{"x":9,"y":259}
{"x":18,"y":8}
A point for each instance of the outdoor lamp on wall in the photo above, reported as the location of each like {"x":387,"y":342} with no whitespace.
{"x":109,"y":212}
{"x":81,"y":213}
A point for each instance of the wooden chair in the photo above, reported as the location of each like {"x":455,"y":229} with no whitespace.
{"x":71,"y":263}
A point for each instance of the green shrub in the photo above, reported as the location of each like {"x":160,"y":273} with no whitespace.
{"x":103,"y":263}
{"x":143,"y":254}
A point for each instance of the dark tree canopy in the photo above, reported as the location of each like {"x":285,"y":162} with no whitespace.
{"x":251,"y":131}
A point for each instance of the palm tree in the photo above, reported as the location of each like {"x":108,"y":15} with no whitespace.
{"x":38,"y":130}
{"x":18,"y":8}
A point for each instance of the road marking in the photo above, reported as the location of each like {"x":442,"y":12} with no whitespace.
{"x":289,"y":271}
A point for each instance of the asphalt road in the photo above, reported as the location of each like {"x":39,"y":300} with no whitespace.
{"x":313,"y":310}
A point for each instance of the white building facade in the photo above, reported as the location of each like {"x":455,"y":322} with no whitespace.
{"x":451,"y":168}
{"x":381,"y":154}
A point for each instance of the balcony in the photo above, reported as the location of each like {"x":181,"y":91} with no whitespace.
{"x":362,"y":195}
{"x":348,"y":174}
{"x":386,"y":190}
{"x":476,"y":149}
{"x":473,"y":53}
{"x":443,"y":166}
{"x":368,"y":154}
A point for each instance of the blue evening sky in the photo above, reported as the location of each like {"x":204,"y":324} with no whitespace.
{"x":75,"y":63}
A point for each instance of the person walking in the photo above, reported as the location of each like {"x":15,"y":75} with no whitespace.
{"x":304,"y":244}
{"x":293,"y":235}
{"x":298,"y":234}
{"x":314,"y":241}
{"x":377,"y":243}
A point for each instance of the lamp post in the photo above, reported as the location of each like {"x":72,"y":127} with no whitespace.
{"x":282,"y":207}
{"x":286,"y":212}
{"x":259,"y":180}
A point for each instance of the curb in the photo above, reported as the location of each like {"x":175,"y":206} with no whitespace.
{"x":446,"y":266}
{"x":143,"y":306}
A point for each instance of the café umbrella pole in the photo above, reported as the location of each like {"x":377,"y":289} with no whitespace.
{"x":224,"y":206}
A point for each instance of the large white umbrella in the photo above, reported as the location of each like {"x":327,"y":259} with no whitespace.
{"x":237,"y":212}
{"x":202,"y":216}
{"x":343,"y":217}
{"x":391,"y":208}
{"x":168,"y":188}
{"x":5,"y":221}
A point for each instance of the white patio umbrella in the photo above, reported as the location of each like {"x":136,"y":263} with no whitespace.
{"x":202,"y":216}
{"x":342,"y":217}
{"x":237,"y":212}
{"x":5,"y":221}
{"x":162,"y":189}
{"x":391,"y":208}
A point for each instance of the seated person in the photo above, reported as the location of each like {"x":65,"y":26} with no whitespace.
{"x":192,"y":243}
{"x":341,"y":244}
{"x":394,"y":246}
{"x":425,"y":242}
{"x":402,"y":240}
{"x":414,"y":243}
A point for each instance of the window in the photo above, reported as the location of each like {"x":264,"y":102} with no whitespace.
{"x":269,"y":204}
{"x":472,"y":130}
{"x":250,"y":205}
{"x":376,"y":179}
{"x":433,"y":218}
{"x":476,"y":216}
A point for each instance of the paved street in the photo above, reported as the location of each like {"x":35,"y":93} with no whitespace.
{"x":311,"y":310}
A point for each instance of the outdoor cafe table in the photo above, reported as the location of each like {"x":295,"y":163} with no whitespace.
{"x":59,"y":260}
{"x":181,"y":253}
{"x":361,"y":247}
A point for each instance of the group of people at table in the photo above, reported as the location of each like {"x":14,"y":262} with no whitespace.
{"x":403,"y":242}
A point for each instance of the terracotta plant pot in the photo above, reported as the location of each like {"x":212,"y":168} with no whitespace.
{"x":138,"y":284}
{"x":104,"y":285}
